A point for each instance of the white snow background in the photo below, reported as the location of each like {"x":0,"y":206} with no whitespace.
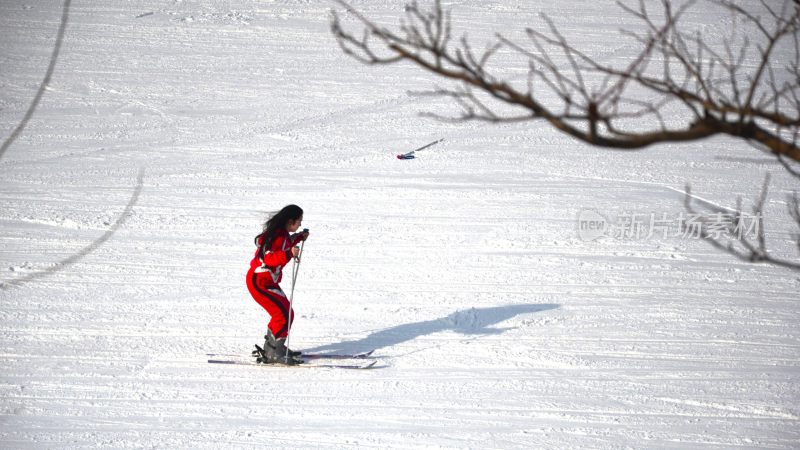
{"x":495,"y":324}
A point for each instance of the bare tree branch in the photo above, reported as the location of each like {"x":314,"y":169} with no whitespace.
{"x":731,"y":236}
{"x":718,"y":93}
{"x":680,"y":86}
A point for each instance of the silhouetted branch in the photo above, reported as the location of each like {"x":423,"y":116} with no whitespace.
{"x":717,"y":92}
{"x":679,"y":87}
{"x":731,"y":236}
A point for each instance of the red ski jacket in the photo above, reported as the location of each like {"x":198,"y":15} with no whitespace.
{"x":277,"y":255}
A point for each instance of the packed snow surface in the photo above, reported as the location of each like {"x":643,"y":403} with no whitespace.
{"x":168,"y":131}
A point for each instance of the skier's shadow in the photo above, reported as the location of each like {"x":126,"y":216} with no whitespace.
{"x":473,"y":321}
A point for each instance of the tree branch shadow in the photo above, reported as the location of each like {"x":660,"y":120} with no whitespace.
{"x":470,"y":322}
{"x":9,"y":284}
{"x":42,"y":87}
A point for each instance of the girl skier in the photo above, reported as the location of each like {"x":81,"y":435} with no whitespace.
{"x":276,"y":247}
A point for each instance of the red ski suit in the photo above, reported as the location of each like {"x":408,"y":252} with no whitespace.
{"x":264,"y":276}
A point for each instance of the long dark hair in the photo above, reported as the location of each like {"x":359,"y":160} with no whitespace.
{"x":275,"y":222}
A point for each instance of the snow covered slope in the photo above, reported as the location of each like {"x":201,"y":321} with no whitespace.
{"x":170,"y":128}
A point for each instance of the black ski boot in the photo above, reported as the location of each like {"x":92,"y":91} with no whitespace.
{"x":269,"y":340}
{"x":274,"y":352}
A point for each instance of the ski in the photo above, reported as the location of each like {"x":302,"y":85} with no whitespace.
{"x":360,"y":360}
{"x":362,"y":355}
{"x":356,"y":366}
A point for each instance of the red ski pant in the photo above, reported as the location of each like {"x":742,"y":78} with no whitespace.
{"x":271,"y":297}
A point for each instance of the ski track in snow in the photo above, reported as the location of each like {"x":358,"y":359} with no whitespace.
{"x":462,"y":268}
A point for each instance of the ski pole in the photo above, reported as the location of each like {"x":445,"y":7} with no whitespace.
{"x":295,"y":270}
{"x":410,"y":155}
{"x":426,"y":146}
